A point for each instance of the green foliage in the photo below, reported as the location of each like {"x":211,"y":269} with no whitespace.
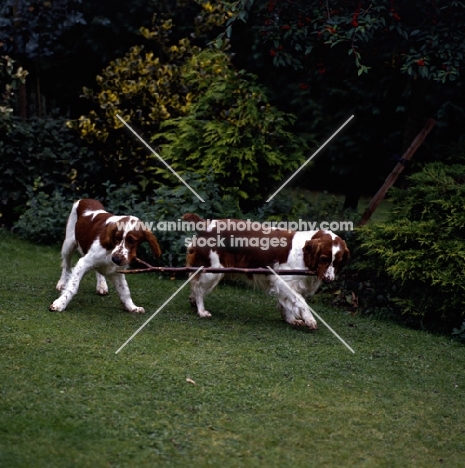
{"x":290,"y":205}
{"x":231,"y":131}
{"x":10,"y":78}
{"x":144,"y":87}
{"x":421,"y":39}
{"x":35,"y":28}
{"x":422,"y":248}
{"x":44,"y":220}
{"x":392,"y":64}
{"x":41,"y":155}
{"x":208,"y":117}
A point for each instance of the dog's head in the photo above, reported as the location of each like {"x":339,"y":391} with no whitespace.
{"x":123,"y":238}
{"x":326,"y":254}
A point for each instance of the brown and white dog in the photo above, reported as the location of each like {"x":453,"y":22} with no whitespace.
{"x":216,"y":246}
{"x":107,"y":244}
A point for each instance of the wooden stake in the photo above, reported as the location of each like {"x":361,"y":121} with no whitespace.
{"x":392,"y":177}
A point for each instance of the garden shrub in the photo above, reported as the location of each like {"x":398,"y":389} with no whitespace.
{"x":40,"y":155}
{"x":11,"y":77}
{"x":422,"y":247}
{"x":292,"y":205}
{"x":44,"y":220}
{"x":230,"y":130}
{"x":208,"y":118}
{"x":145,"y":88}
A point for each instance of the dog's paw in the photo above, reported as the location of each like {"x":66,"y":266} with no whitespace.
{"x":204,"y":314}
{"x":298,"y":323}
{"x":56,"y":306}
{"x":102,"y":291}
{"x":60,"y":285}
{"x":311,"y":324}
{"x":137,"y":310}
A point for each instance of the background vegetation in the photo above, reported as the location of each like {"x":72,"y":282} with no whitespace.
{"x":419,"y":248}
{"x":236,"y":95}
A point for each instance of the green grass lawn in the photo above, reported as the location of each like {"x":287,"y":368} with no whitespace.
{"x":261,"y":394}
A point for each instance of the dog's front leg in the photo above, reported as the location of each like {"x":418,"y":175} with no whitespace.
{"x":121,"y":286}
{"x":294,"y":308}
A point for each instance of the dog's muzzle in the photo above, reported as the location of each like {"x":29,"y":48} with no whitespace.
{"x":116,"y":260}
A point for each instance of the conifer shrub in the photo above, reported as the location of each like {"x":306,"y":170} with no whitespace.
{"x":421,"y":249}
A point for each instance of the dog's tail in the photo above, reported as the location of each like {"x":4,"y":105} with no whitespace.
{"x":72,"y":220}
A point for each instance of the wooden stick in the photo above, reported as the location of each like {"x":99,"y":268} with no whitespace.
{"x":250,"y":271}
{"x":392,"y":177}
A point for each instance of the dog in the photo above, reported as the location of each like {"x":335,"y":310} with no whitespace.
{"x":217,"y":245}
{"x":108,"y":244}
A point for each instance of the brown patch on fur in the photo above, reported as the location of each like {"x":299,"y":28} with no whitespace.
{"x":242,"y":256}
{"x":90,"y":228}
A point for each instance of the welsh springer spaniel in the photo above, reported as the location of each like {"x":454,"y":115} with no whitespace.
{"x":217,"y":247}
{"x":107,"y":244}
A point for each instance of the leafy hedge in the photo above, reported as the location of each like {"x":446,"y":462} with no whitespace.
{"x":41,"y":155}
{"x":422,"y":247}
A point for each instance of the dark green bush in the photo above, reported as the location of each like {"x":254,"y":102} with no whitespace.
{"x":422,"y":247}
{"x":42,"y":155}
{"x":44,"y":220}
{"x":291,"y":205}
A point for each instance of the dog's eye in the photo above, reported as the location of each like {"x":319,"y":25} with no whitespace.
{"x":118,"y":236}
{"x":130,"y":240}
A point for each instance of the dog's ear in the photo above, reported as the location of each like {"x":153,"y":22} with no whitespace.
{"x":152,"y":240}
{"x":344,"y":260}
{"x":108,"y":236}
{"x":311,"y":252}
